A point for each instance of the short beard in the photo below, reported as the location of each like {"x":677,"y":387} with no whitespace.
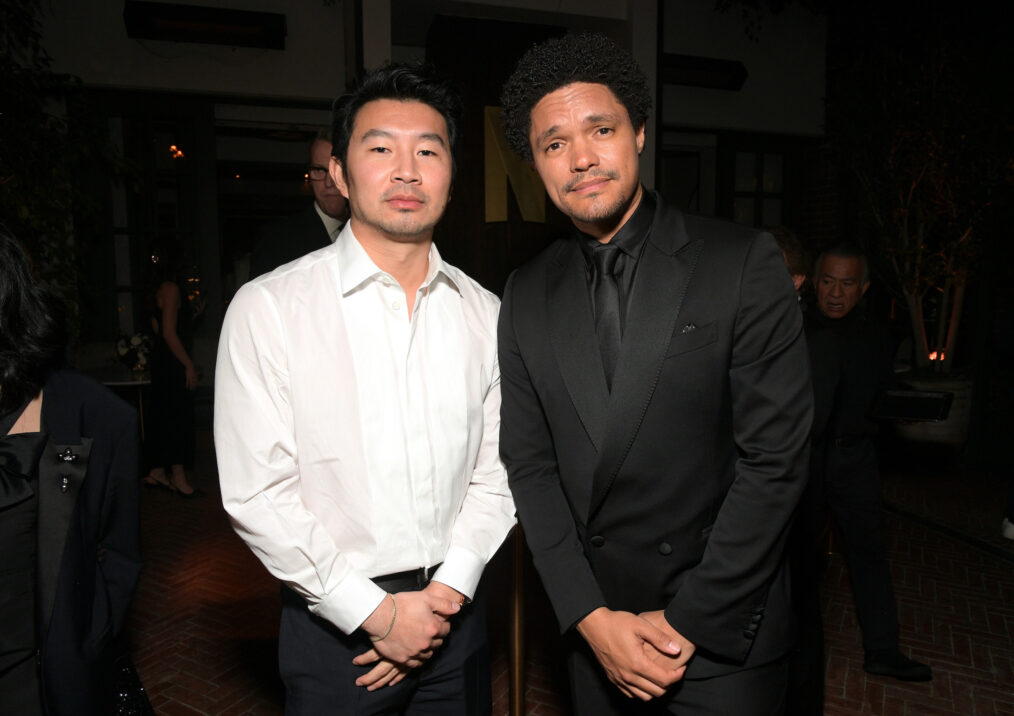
{"x":602,"y":216}
{"x":402,"y":229}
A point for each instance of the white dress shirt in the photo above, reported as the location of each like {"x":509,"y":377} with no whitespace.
{"x":354,"y":441}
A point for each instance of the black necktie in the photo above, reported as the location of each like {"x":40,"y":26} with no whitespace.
{"x":607,"y":306}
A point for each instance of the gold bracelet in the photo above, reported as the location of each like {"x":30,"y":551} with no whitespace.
{"x":394,"y":613}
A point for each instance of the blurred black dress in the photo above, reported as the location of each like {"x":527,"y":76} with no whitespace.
{"x":171,"y":435}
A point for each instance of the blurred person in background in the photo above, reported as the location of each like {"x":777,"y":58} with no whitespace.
{"x":69,"y":548}
{"x":170,"y":438}
{"x":315,"y":227}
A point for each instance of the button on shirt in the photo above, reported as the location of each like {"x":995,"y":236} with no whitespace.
{"x":356,"y":441}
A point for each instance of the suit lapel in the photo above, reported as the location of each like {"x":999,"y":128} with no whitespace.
{"x":62,"y":471}
{"x":572,"y":334}
{"x":663,"y":276}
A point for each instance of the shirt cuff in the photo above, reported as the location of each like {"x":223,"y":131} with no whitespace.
{"x":461,"y":570}
{"x":350,"y":603}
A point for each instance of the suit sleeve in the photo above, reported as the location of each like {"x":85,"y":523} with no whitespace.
{"x":118,"y":561}
{"x":526,"y":446}
{"x":721,"y":604}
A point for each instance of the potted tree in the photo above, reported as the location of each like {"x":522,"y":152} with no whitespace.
{"x":915,"y":128}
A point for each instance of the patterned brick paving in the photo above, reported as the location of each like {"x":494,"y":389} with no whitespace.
{"x":204,"y":622}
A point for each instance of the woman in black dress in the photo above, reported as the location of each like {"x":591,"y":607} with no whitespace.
{"x":173,"y":379}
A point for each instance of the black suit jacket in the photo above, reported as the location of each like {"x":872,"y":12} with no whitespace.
{"x":89,"y":547}
{"x":676,"y":490}
{"x":286,"y":239}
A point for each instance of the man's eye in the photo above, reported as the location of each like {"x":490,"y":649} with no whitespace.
{"x":553,"y":146}
{"x":427,"y":152}
{"x":604,"y":130}
{"x":380,"y":150}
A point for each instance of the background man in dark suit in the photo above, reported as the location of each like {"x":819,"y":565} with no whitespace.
{"x":656,"y":408}
{"x":314,"y":227}
{"x":849,"y":473}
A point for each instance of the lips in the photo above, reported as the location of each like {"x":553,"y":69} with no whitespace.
{"x":591,"y":182}
{"x":405,"y":201}
{"x":589,"y":186}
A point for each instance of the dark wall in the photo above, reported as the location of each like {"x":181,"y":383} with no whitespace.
{"x":477,"y":56}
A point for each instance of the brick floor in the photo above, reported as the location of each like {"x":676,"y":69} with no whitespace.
{"x":205,"y":618}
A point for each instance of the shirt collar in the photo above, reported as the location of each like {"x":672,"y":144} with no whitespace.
{"x":355,"y":267}
{"x":331,"y":224}
{"x":631,"y":235}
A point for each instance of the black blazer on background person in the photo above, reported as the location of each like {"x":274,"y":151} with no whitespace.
{"x":286,"y":239}
{"x":89,"y":545}
{"x":676,"y":490}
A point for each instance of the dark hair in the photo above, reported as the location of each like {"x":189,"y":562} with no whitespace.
{"x":556,"y":63}
{"x":405,"y":83}
{"x":795,"y":253}
{"x":844,"y":251}
{"x":33,"y":333}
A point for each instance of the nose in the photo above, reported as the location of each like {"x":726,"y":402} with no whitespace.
{"x":583,"y":155}
{"x":328,"y":181}
{"x":405,"y":169}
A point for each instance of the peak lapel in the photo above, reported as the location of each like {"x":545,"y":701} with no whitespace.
{"x":572,"y":334}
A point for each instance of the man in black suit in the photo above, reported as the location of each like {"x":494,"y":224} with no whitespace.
{"x":656,"y":408}
{"x":314,"y":227}
{"x":849,"y":472}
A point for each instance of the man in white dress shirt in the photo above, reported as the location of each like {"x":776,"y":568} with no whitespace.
{"x":356,"y":425}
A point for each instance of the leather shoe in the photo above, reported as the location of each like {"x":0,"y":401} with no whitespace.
{"x":891,"y":662}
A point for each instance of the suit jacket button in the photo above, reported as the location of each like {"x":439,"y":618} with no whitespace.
{"x":597,"y":541}
{"x":665,"y":549}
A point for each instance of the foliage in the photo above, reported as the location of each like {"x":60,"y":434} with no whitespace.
{"x":40,"y":150}
{"x":922,"y":137}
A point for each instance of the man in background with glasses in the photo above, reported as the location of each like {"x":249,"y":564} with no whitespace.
{"x":312,"y":228}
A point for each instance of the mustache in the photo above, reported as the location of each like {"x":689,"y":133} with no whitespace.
{"x":596,"y":173}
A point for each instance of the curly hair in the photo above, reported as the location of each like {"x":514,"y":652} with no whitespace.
{"x":406,"y":83}
{"x":582,"y":57}
{"x":33,"y":332}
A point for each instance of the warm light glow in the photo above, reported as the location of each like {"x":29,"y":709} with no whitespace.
{"x":237,"y":175}
{"x":306,"y":177}
{"x":937,"y":356}
{"x":175,"y":152}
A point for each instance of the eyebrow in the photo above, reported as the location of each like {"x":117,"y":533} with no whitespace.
{"x":428,"y":136}
{"x":590,"y":119}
